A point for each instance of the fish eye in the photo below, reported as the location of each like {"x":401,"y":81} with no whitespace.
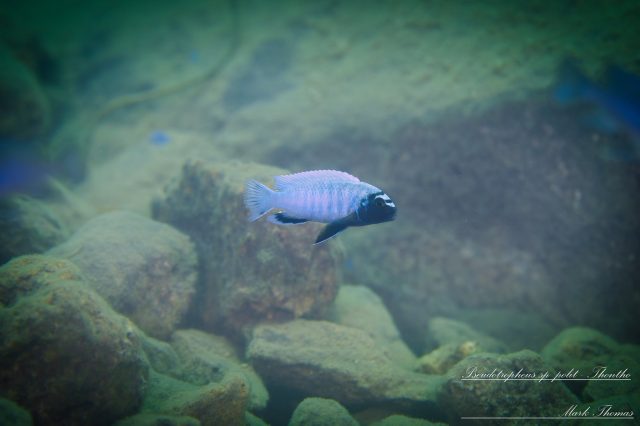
{"x":379,"y":202}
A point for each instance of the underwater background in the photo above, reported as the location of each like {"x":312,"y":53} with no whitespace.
{"x":134,"y":291}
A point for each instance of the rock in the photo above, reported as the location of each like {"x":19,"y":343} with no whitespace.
{"x":207,"y":358}
{"x":588,"y":350}
{"x":440,"y":360}
{"x":250,"y":271}
{"x":145,"y":269}
{"x":332,"y":361}
{"x":499,"y":398}
{"x":214,"y":404}
{"x":252,"y":420}
{"x":398,"y":420}
{"x":57,"y":334}
{"x":627,"y":404}
{"x":14,"y":415}
{"x":158,"y":420}
{"x":361,"y":308}
{"x":445,"y":330}
{"x":321,"y":412}
{"x":160,"y":355}
{"x":23,"y":97}
{"x":27,"y":226}
{"x":576,"y":347}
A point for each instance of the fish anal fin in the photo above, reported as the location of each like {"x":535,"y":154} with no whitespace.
{"x":282,"y":218}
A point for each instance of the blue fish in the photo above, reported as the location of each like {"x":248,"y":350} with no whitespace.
{"x":615,"y":102}
{"x":325,"y":196}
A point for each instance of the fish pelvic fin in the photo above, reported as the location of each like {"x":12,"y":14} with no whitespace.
{"x":283,"y":219}
{"x":257,"y":199}
{"x":330,"y":231}
{"x":337,"y":226}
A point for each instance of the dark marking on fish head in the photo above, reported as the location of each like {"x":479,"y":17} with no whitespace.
{"x":376,"y":208}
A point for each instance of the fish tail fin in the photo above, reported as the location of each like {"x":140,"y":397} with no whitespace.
{"x":257,"y":199}
{"x":572,"y":83}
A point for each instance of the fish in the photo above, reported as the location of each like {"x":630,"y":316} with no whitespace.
{"x":617,"y":95}
{"x":614,"y":101}
{"x":327,"y":196}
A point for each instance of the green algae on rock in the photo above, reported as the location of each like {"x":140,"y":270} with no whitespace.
{"x":65,"y":355}
{"x":399,"y":420}
{"x":594,"y":354}
{"x":147,"y":419}
{"x":250,"y":272}
{"x":221,"y":403}
{"x":321,"y":412}
{"x":27,"y":226}
{"x":462,"y":398}
{"x":208,"y":358}
{"x":14,"y":415}
{"x":332,"y":361}
{"x":145,"y":269}
{"x":359,"y":307}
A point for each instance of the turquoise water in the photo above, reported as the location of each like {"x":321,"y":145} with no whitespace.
{"x":134,"y":289}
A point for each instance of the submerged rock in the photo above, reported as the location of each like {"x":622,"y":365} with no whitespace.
{"x":502,"y":398}
{"x":65,"y":355}
{"x":250,"y":271}
{"x":576,"y":347}
{"x":359,"y":307}
{"x":321,"y":412}
{"x":332,"y":361}
{"x":398,"y":420}
{"x":14,"y":415}
{"x":222,"y":403}
{"x":207,"y":358}
{"x":145,"y":269}
{"x":158,"y":420}
{"x":596,"y":355}
{"x":27,"y":226}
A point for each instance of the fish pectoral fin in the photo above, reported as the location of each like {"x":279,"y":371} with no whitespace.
{"x":331,"y":230}
{"x":281,"y":218}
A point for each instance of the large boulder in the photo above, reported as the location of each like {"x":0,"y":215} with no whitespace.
{"x":359,"y":307}
{"x":65,"y":355}
{"x":145,"y":269}
{"x":332,"y":361}
{"x":502,"y":398}
{"x":250,"y":272}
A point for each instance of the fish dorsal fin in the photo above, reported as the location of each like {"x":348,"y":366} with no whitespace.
{"x":285,"y":181}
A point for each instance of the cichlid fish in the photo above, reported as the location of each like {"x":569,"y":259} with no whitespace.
{"x":326,"y":196}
